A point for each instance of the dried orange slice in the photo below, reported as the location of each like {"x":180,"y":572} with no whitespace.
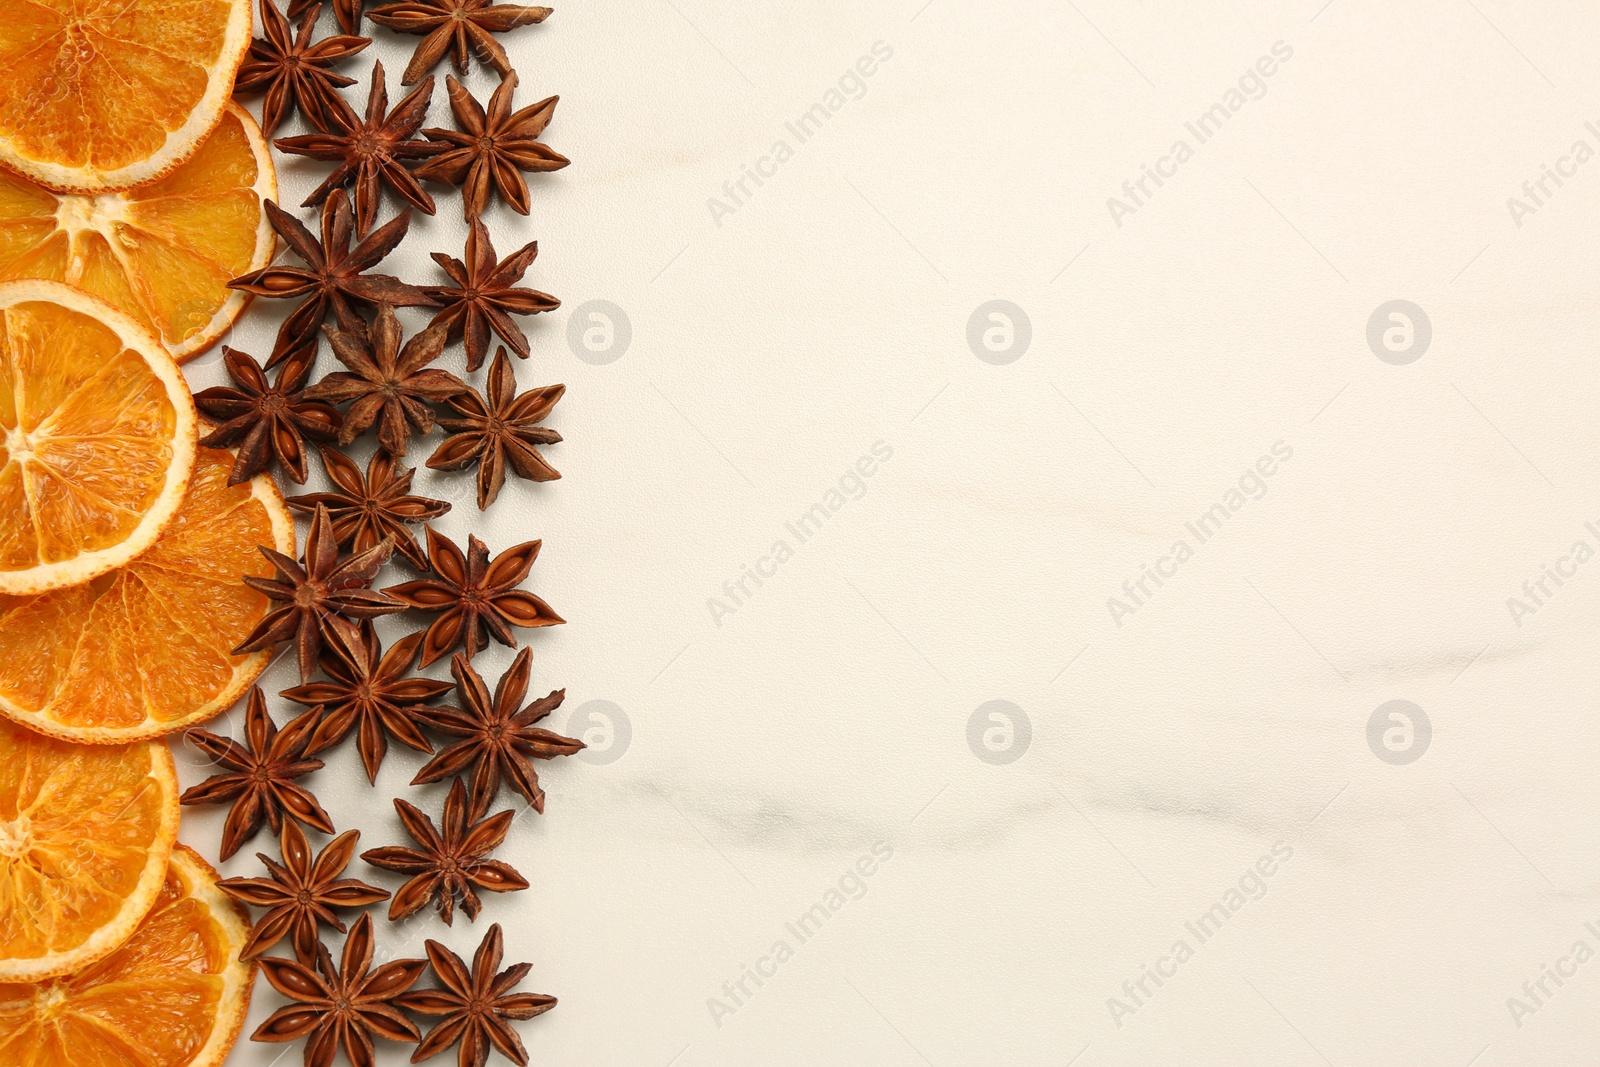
{"x":110,"y":94}
{"x":173,"y":996}
{"x":147,"y":649}
{"x":85,"y":833}
{"x":97,"y":437}
{"x":164,"y":252}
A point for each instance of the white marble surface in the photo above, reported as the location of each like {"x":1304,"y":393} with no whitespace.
{"x":825,"y":714}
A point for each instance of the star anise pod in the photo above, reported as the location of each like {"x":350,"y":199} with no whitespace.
{"x":499,"y":740}
{"x":348,"y":12}
{"x":368,"y":690}
{"x":365,"y":511}
{"x":492,"y":149}
{"x":485,"y":295}
{"x":317,"y":594}
{"x":474,"y":598}
{"x":293,"y":70}
{"x":340,"y":1008}
{"x":450,"y":865}
{"x":477,"y":1006}
{"x":370,"y":151}
{"x":258,"y":776}
{"x":390,"y":385}
{"x":335,"y":276}
{"x":452,"y":25}
{"x":301,"y":892}
{"x":267,"y":421}
{"x":499,"y":430}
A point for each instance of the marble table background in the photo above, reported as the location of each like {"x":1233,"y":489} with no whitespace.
{"x":738,"y":352}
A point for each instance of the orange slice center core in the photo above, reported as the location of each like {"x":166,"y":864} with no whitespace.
{"x":18,"y":444}
{"x":16,"y":838}
{"x":75,"y":213}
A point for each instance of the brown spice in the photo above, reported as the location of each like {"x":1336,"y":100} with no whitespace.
{"x":259,"y":775}
{"x":301,"y":892}
{"x":498,"y":739}
{"x":343,"y":1007}
{"x":317,"y":595}
{"x":474,"y":598}
{"x":367,"y":510}
{"x":370,"y":151}
{"x":485,"y":295}
{"x":293,"y":70}
{"x":268,"y":422}
{"x":491,"y":149}
{"x":499,"y":430}
{"x":451,"y":864}
{"x":477,"y":1005}
{"x":453,"y":25}
{"x":387,"y":384}
{"x":368,"y":691}
{"x":334,"y":277}
{"x":348,"y":12}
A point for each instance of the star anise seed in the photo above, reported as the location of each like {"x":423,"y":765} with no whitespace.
{"x":367,"y":510}
{"x":485,"y":295}
{"x":258,"y":775}
{"x":453,"y":25}
{"x":477,"y":1006}
{"x":293,"y":71}
{"x":474,"y":598}
{"x":343,"y":1007}
{"x":301,"y":892}
{"x":499,"y":430}
{"x":451,"y":864}
{"x":498,"y":739}
{"x":334,"y":277}
{"x":389,"y":385}
{"x":268,"y":422}
{"x":318,"y":594}
{"x":492,"y":149}
{"x":368,"y":690}
{"x":370,"y":151}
